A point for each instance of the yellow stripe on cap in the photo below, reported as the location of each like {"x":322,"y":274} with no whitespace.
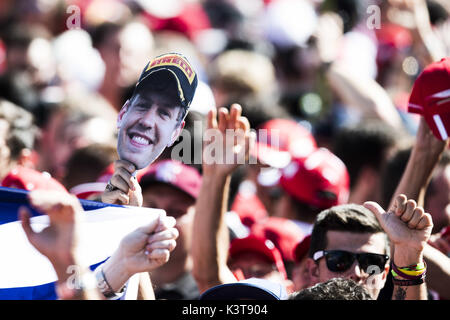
{"x":176,"y":61}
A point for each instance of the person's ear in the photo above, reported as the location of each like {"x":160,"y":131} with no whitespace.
{"x":122,"y":112}
{"x":176,"y":133}
{"x":313,"y":269}
{"x":386,"y":271}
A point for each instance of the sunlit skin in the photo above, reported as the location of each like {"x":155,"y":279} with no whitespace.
{"x":438,"y":203}
{"x":147,"y":124}
{"x":253,"y":265}
{"x":357,"y":243}
{"x":300,"y":275}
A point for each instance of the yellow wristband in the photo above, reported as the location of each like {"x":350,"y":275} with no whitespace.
{"x":413,"y":273}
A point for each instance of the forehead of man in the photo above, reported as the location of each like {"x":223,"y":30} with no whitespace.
{"x":161,"y":98}
{"x":356,"y":242}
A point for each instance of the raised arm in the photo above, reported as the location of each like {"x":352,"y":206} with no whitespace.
{"x":210,"y":238}
{"x":424,"y":157}
{"x":408,"y":228}
{"x":363,"y":93}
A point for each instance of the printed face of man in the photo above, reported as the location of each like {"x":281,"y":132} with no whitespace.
{"x":147,"y":124}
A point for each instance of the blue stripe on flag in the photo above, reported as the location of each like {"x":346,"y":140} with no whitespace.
{"x":10,"y":201}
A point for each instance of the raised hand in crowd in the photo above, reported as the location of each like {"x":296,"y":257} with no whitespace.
{"x":408,"y":228}
{"x":424,"y":158}
{"x":210,"y":238}
{"x":123,"y":187}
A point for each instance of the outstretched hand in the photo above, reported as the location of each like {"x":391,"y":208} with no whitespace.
{"x":228,"y":141}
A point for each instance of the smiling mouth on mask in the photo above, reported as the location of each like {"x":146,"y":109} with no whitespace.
{"x":139,"y":138}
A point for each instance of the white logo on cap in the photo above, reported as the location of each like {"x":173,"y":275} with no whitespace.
{"x":167,"y":172}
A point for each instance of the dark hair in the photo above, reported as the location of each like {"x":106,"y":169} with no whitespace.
{"x":22,"y":130}
{"x":304,"y":211}
{"x":351,"y":11}
{"x":86,"y":164}
{"x":366,"y":144}
{"x":392,"y":173}
{"x":100,"y":33}
{"x":438,"y":14}
{"x":348,"y":217}
{"x":333,"y":289}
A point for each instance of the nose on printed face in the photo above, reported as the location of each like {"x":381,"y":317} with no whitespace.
{"x":148,"y":119}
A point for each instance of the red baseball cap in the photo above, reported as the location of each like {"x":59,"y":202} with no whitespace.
{"x":320,"y":180}
{"x":284,"y":234}
{"x":430,"y":97}
{"x":30,"y":179}
{"x":175,"y":174}
{"x":280,"y":139}
{"x":302,"y":248}
{"x":253,"y":243}
{"x":446,"y":232}
{"x":249,"y":208}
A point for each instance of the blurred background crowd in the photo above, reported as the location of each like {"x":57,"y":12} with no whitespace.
{"x":331,"y":74}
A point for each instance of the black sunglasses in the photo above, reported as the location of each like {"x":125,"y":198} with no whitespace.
{"x":340,"y":260}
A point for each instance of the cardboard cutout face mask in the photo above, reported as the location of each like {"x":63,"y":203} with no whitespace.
{"x":153,"y":118}
{"x":147,"y":125}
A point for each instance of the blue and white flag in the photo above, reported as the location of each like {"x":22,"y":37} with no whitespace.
{"x":27,"y":274}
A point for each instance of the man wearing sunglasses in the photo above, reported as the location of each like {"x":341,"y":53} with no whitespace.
{"x":351,"y":241}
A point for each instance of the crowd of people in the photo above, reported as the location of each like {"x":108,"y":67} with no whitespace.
{"x":298,"y":147}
